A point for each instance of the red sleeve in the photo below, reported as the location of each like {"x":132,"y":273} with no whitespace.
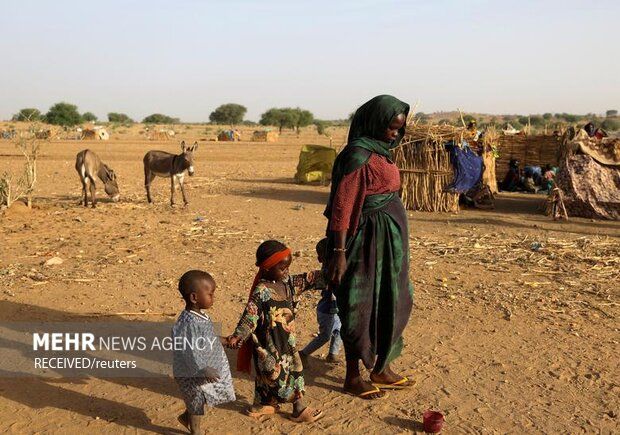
{"x":347,"y":205}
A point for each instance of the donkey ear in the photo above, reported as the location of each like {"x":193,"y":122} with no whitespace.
{"x":183,"y":146}
{"x":195,"y":146}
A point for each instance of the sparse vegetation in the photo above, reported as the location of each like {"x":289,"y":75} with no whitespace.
{"x":158,"y":118}
{"x":89,"y":117}
{"x":120,"y":118}
{"x":28,"y":114}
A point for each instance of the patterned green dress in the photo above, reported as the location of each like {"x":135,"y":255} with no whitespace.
{"x":269,"y":320}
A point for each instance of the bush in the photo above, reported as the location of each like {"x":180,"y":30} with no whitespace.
{"x":29,"y":114}
{"x":64,"y":114}
{"x":89,"y":117}
{"x":611,"y":124}
{"x":611,"y":113}
{"x":547,"y":116}
{"x":287,"y":118}
{"x":121,"y":118}
{"x":158,"y":118}
{"x":228,"y":114}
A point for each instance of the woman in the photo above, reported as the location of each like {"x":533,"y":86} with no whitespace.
{"x":369,"y":247}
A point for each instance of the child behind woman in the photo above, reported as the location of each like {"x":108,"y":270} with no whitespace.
{"x":268,"y":325}
{"x":200,"y":368}
{"x":327,"y":318}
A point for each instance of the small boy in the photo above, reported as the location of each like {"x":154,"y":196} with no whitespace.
{"x":327,"y":317}
{"x":200,"y":366}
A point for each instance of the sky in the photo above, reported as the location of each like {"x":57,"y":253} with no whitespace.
{"x":184,"y":58}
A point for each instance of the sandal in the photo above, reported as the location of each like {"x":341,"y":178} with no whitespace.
{"x":398,"y":385}
{"x":308,"y":415}
{"x":375,"y":394}
{"x":258,"y":412}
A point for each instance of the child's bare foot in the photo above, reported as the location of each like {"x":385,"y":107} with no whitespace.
{"x":332,"y":359}
{"x":362,"y":389}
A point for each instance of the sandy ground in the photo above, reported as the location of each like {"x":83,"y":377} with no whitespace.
{"x":503,"y":338}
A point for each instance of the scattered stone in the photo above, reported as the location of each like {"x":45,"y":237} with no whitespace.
{"x":54,"y":261}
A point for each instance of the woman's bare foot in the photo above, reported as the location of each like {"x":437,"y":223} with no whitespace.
{"x":360,"y":388}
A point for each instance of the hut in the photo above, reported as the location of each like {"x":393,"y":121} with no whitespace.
{"x":161,"y":134}
{"x":529,"y":150}
{"x":426,"y":163}
{"x":589,"y":175}
{"x":265,"y":136}
{"x":315,"y":164}
{"x":95,"y":133}
{"x":229,"y":136}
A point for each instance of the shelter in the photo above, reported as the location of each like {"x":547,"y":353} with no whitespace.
{"x":529,"y":150}
{"x":315,"y":164}
{"x":161,"y":134}
{"x":229,"y":136}
{"x":437,"y":164}
{"x":589,"y":175}
{"x":95,"y":133}
{"x":265,"y":136}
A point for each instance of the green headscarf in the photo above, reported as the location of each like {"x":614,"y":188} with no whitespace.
{"x":369,"y":124}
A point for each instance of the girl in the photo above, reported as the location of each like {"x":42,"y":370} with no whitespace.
{"x":268,"y":325}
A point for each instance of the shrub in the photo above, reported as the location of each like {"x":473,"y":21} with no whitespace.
{"x":64,"y":114}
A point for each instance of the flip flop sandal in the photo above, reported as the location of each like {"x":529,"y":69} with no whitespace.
{"x":366,"y":394}
{"x":263,"y":410}
{"x":308,"y":415}
{"x":398,"y":385}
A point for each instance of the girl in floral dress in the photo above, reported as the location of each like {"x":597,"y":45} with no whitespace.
{"x":266,"y":332}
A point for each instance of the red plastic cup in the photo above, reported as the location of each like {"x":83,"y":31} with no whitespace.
{"x":432,"y":421}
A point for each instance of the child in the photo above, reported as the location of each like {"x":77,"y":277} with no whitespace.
{"x":549,"y":177}
{"x":327,"y":318}
{"x":268,"y":325}
{"x":200,"y":368}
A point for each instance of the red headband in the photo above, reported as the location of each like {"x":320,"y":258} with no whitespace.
{"x":274,"y":259}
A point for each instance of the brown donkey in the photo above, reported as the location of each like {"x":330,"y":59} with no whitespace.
{"x":163,"y":164}
{"x":89,"y":165}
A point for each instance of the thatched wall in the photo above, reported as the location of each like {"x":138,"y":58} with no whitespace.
{"x":537,"y":150}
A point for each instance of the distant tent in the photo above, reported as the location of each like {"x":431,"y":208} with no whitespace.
{"x":315,"y":164}
{"x":265,"y":136}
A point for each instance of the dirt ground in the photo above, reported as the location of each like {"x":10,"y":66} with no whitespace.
{"x":514,"y":328}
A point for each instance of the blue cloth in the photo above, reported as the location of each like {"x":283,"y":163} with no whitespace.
{"x":329,"y":331}
{"x":467,"y":168}
{"x":327,"y":304}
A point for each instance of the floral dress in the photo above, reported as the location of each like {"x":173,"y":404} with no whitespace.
{"x":269,"y":320}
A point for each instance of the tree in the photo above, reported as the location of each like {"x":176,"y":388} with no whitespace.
{"x":230,"y":113}
{"x":537,"y":120}
{"x":121,"y":118}
{"x":303,"y":118}
{"x":64,"y":114}
{"x":281,"y":118}
{"x":158,"y":118}
{"x":611,"y":113}
{"x":547,"y":116}
{"x":29,"y":114}
{"x":321,"y":126}
{"x":89,"y":117}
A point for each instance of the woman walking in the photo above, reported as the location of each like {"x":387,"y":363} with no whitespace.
{"x":369,"y":247}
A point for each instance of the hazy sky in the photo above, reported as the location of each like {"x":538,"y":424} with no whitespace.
{"x":184,"y":58}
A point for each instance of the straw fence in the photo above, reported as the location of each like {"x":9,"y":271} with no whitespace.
{"x":534,"y":150}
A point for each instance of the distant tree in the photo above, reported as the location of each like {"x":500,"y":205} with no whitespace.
{"x":423,"y":117}
{"x":303,"y":118}
{"x":121,"y":118}
{"x":537,"y":121}
{"x":158,"y":118}
{"x":281,"y":118}
{"x":28,"y":114}
{"x":321,"y":126}
{"x":444,"y":121}
{"x":228,"y":114}
{"x":468,"y":118}
{"x":547,"y":116}
{"x":523,"y":120}
{"x":610,"y":124}
{"x":248,"y":122}
{"x":611,"y":113}
{"x":64,"y":114}
{"x":89,"y":117}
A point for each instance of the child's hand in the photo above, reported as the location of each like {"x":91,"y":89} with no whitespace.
{"x":234,"y":342}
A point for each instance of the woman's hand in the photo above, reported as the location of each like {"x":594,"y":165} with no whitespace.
{"x":337,"y":267}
